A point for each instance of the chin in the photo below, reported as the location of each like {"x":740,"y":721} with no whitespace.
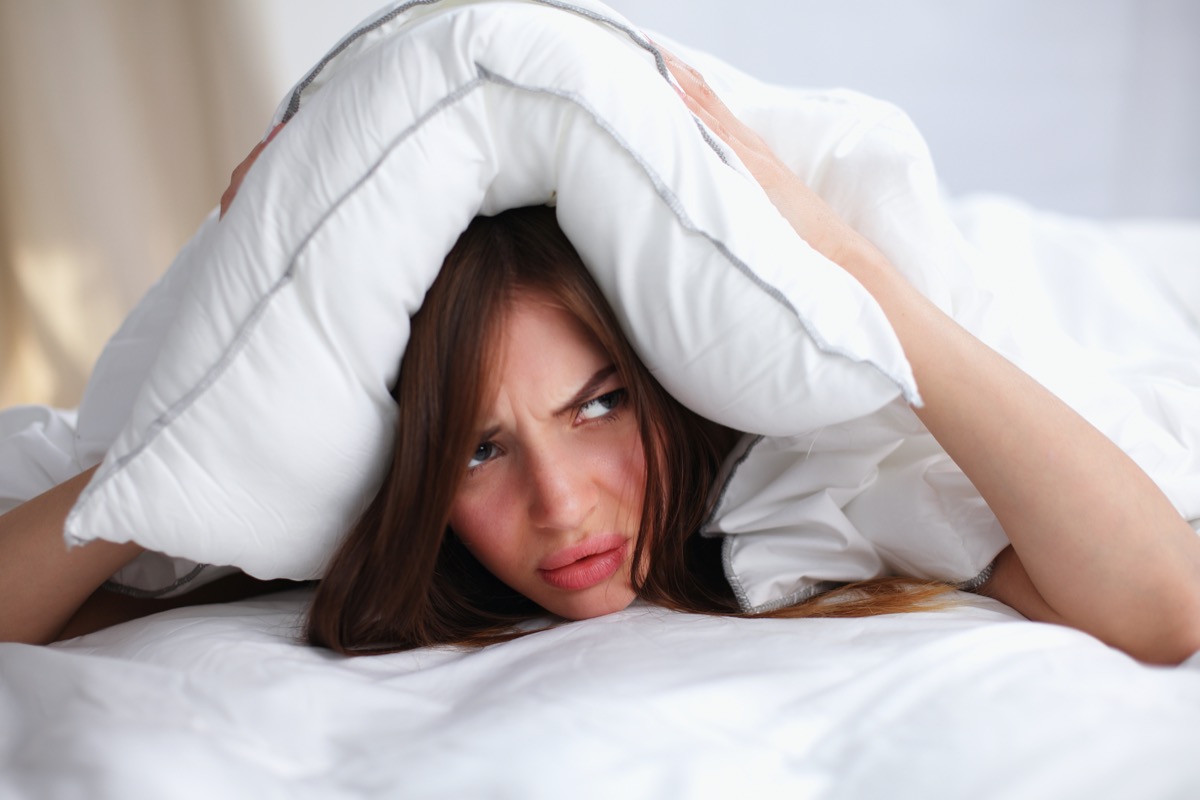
{"x":602,"y":603}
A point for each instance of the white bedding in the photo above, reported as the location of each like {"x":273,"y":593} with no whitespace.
{"x":971,"y":701}
{"x":221,"y":701}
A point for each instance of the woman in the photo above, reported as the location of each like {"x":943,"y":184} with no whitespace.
{"x":542,"y":469}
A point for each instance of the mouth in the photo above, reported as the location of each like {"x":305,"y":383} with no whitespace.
{"x":584,"y":565}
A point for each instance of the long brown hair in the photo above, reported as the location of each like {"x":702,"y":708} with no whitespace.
{"x":401,"y":579}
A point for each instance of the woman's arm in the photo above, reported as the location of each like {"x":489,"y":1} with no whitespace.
{"x":1095,"y":543}
{"x":42,"y":583}
{"x":1102,"y":546}
{"x":47,"y":591}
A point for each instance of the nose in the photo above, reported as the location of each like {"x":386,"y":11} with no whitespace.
{"x":562,"y":493}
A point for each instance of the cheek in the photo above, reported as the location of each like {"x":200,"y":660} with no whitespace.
{"x":628,"y":472}
{"x":479,"y":523}
{"x":637,"y":471}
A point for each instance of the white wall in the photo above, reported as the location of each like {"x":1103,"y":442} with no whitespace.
{"x":1085,"y":106}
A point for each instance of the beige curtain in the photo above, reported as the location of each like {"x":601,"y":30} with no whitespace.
{"x":120,"y":121}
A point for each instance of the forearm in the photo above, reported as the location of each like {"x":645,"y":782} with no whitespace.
{"x":42,"y":583}
{"x":1103,"y":546}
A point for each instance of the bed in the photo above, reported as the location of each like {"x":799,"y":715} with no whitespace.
{"x":974,"y":701}
{"x":970,"y":700}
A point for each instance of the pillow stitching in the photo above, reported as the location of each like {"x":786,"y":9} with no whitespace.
{"x":789,"y":599}
{"x":735,"y":582}
{"x":976,"y":583}
{"x":132,"y":591}
{"x":739,"y":591}
{"x":668,"y":197}
{"x":685,"y":221}
{"x":664,"y":192}
{"x":249,"y":326}
{"x":729,"y":480}
{"x":731,"y":576}
{"x":306,"y":81}
{"x":636,"y":36}
{"x":660,"y":187}
{"x":246,"y":331}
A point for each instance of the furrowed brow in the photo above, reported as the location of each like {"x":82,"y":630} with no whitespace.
{"x":591,"y":387}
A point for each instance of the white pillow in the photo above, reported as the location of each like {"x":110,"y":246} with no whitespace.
{"x":264,"y":423}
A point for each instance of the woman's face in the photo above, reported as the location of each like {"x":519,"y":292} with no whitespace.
{"x":552,"y":498}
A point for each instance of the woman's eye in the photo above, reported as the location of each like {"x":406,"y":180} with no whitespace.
{"x":603,"y":405}
{"x":483,"y":454}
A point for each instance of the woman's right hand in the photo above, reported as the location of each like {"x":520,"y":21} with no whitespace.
{"x":239,"y":172}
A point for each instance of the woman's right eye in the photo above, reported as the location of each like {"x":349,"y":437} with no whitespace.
{"x":483,"y":454}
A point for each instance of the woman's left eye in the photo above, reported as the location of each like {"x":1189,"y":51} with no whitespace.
{"x":603,"y":405}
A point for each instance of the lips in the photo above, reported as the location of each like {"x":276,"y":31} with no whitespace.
{"x":584,"y":565}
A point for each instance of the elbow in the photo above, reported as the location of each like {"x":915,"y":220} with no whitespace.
{"x":1169,"y":652}
{"x":1172,"y":642}
{"x":1184,"y":646}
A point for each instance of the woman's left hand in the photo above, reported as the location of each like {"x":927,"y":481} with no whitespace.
{"x":808,"y":214}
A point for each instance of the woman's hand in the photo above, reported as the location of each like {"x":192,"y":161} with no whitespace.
{"x":239,"y":172}
{"x":808,"y":214}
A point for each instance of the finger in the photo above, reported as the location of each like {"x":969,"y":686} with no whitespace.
{"x":239,"y":172}
{"x":693,"y":85}
{"x":713,"y":124}
{"x":758,"y":161}
{"x":692,"y":82}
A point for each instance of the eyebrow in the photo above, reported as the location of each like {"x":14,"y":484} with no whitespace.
{"x":591,"y":387}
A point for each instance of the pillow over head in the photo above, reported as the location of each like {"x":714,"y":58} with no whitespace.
{"x":264,"y":422}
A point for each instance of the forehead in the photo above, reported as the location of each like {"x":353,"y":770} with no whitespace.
{"x":541,"y":346}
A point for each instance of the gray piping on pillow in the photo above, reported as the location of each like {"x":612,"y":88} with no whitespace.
{"x":686,"y":222}
{"x":735,"y":583}
{"x":637,"y":36}
{"x":246,"y":330}
{"x":729,"y":479}
{"x":132,"y":591}
{"x":641,"y":40}
{"x":672,"y":201}
{"x":978,"y":582}
{"x":250,"y":323}
{"x":739,"y":591}
{"x":294,"y":103}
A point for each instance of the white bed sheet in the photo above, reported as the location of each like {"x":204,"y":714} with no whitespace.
{"x":220,"y":701}
{"x":223,"y":701}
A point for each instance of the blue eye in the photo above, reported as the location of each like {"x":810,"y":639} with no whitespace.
{"x":603,"y":405}
{"x":483,"y":454}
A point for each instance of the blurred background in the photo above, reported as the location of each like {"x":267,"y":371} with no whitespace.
{"x":120,"y":121}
